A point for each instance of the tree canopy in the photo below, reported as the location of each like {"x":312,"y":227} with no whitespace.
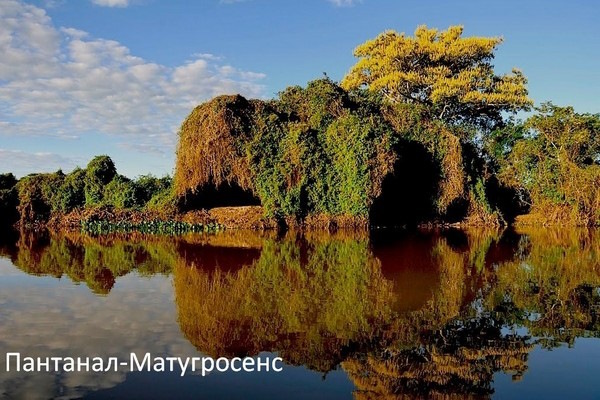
{"x":450,"y":74}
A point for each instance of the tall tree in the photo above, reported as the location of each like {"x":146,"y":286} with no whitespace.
{"x":450,"y":75}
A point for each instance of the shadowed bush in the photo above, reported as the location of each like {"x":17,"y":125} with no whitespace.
{"x":38,"y":196}
{"x":9,"y":199}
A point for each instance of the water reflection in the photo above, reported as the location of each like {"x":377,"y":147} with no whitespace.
{"x":406,"y":315}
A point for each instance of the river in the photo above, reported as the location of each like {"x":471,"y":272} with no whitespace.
{"x":420,"y":314}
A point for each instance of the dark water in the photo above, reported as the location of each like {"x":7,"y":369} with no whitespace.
{"x":449,"y":314}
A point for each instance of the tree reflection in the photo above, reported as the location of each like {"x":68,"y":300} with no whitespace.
{"x":97,"y":262}
{"x":427,"y":314}
{"x":553,"y":284}
{"x":321,"y":303}
{"x":310,"y":299}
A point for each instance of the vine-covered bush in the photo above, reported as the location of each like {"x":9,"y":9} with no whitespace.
{"x":39,"y":195}
{"x":557,"y":163}
{"x":99,"y":172}
{"x":314,"y":150}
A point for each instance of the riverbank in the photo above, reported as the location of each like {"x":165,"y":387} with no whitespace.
{"x":214,"y":219}
{"x":103,"y":220}
{"x":218,"y":218}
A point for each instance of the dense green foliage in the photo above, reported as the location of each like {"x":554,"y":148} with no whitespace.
{"x":99,"y":172}
{"x":556,"y":164}
{"x":72,"y":192}
{"x":313,"y":150}
{"x":323,"y":155}
{"x":37,"y":197}
{"x":426,"y":105}
{"x":322,"y":150}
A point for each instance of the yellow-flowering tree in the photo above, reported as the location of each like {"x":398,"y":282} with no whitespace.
{"x":452,"y":76}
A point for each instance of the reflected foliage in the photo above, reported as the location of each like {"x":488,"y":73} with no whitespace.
{"x":423,"y":314}
{"x":327,"y":303}
{"x":308,"y":299}
{"x":553,"y":286}
{"x":97,"y":262}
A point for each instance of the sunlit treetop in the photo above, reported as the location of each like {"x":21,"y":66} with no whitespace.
{"x":449,"y":74}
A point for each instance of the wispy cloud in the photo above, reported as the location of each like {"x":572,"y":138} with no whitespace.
{"x":61,"y":82}
{"x":111,"y":3}
{"x":53,"y":3}
{"x":344,"y":3}
{"x":337,"y":3}
{"x":22,"y":162}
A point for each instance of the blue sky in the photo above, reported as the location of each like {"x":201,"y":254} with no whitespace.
{"x":86,"y":77}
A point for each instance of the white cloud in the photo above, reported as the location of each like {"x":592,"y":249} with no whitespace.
{"x":344,"y":3}
{"x":52,"y":3}
{"x":74,"y":33}
{"x":60,"y":82}
{"x":111,"y":3}
{"x":21,"y":162}
{"x":66,"y":321}
{"x":337,"y":3}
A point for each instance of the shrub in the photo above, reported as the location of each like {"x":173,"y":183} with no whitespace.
{"x":557,"y":163}
{"x":38,"y":196}
{"x":120,"y":193}
{"x":99,"y":172}
{"x":72,"y":191}
{"x":148,"y":186}
{"x":165,"y":202}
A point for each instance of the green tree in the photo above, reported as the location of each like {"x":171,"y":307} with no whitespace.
{"x":120,"y":193}
{"x":72,"y":191}
{"x":148,"y":186}
{"x":99,"y":172}
{"x":557,"y":162}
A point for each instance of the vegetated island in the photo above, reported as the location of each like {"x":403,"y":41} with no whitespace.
{"x":421,"y":130}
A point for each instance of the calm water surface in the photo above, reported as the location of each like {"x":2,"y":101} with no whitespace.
{"x":447,"y":314}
